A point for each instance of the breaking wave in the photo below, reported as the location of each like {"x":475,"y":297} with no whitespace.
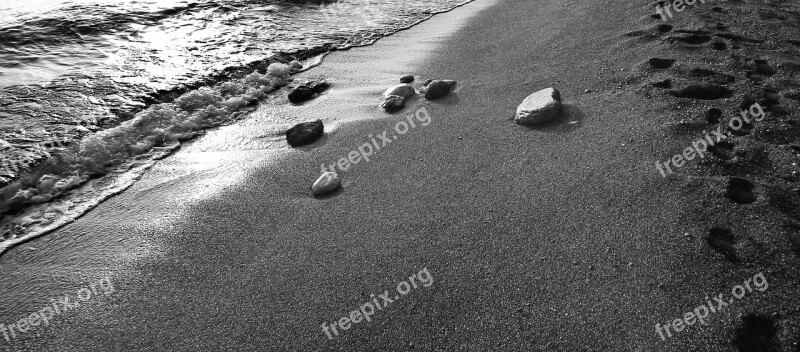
{"x":92,"y":93}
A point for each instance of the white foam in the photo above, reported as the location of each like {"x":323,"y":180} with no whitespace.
{"x":67,"y":186}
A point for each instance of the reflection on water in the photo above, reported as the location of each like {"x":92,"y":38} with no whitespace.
{"x":116,"y":84}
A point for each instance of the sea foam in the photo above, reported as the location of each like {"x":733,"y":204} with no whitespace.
{"x":131,"y":146}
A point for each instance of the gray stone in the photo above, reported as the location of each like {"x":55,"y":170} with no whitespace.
{"x":300,"y":94}
{"x":407,"y":79}
{"x":438,"y":89}
{"x":450,"y":83}
{"x":540,"y":107}
{"x":393,"y":103}
{"x":326,"y":183}
{"x":403,"y":90}
{"x":319,"y":86}
{"x":304,"y":133}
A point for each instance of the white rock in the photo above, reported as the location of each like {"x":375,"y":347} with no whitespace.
{"x":403,"y":90}
{"x":326,"y":183}
{"x":540,"y":107}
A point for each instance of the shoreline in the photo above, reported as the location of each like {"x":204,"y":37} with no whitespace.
{"x":561,"y":237}
{"x":315,"y":57}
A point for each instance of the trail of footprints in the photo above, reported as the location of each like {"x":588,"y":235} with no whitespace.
{"x":670,"y":77}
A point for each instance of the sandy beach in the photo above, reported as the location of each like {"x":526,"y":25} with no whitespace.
{"x":562,"y":237}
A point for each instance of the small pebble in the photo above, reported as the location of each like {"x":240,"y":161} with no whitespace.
{"x":438,"y":89}
{"x":327,"y":183}
{"x":393,"y":103}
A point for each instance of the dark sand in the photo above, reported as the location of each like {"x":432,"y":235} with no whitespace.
{"x":557,"y":238}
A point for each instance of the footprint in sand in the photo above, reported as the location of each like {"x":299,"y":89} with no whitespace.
{"x":740,"y":190}
{"x":689,"y":38}
{"x":723,"y":150}
{"x":758,"y":69}
{"x":659,"y":63}
{"x":702,"y":91}
{"x":757,"y":332}
{"x":663,"y":28}
{"x":768,"y":97}
{"x":713,"y":115}
{"x":722,"y":241}
{"x":719,"y":45}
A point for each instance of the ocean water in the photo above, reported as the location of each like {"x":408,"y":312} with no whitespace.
{"x":92,"y":92}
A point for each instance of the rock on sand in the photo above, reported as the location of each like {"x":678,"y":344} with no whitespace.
{"x":300,"y":94}
{"x":438,"y":88}
{"x":395,"y":97}
{"x":540,"y":107}
{"x":307,"y":90}
{"x":402,"y":90}
{"x":318,"y":86}
{"x":393,"y":103}
{"x":326,"y":183}
{"x":304,"y":133}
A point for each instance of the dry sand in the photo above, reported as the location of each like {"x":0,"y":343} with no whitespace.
{"x":556,"y":238}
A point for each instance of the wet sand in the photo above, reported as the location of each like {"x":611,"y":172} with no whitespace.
{"x":563,"y":237}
